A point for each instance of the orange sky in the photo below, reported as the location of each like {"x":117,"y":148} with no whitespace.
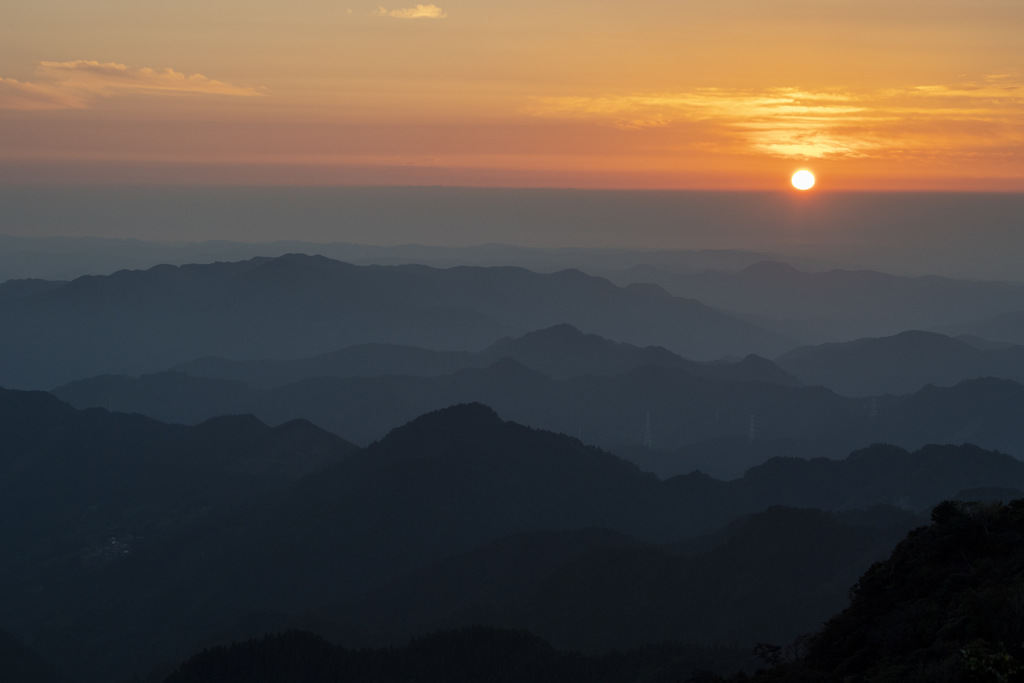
{"x":735,"y":94}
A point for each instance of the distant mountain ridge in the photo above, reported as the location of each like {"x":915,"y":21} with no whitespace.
{"x":607,"y":410}
{"x":560,"y":351}
{"x":65,"y":258}
{"x":901,"y":364}
{"x":1005,"y":327}
{"x":839,"y":305}
{"x":667,"y":419}
{"x":292,"y":306}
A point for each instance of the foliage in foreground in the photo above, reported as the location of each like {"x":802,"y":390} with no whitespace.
{"x":948,"y":605}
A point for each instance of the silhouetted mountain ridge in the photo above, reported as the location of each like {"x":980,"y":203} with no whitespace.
{"x":560,"y":351}
{"x":627,"y":593}
{"x":68,"y":257}
{"x":840,"y":304}
{"x":901,"y":364}
{"x":943,"y":606}
{"x":113,"y":517}
{"x":28,"y":287}
{"x":292,"y":306}
{"x":696,"y":422}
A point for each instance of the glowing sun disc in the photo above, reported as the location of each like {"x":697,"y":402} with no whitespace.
{"x":803,"y":180}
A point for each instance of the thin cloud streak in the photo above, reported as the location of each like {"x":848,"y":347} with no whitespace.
{"x":23,"y":96}
{"x":72,"y":85}
{"x":920,"y":122}
{"x":417,"y":12}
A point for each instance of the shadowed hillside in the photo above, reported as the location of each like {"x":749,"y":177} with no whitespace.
{"x":19,"y":664}
{"x":769,"y":576}
{"x":231,"y":528}
{"x":945,"y":606}
{"x":454,"y":656}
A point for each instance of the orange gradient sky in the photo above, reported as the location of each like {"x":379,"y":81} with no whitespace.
{"x":733,"y":94}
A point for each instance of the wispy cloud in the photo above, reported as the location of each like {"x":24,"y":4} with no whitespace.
{"x":75,"y":84}
{"x":16,"y":94}
{"x":808,"y":124}
{"x":417,"y":12}
{"x":107,"y":78}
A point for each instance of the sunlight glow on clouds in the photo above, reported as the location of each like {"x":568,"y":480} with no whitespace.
{"x":417,"y":12}
{"x":919,"y":121}
{"x":71,"y":85}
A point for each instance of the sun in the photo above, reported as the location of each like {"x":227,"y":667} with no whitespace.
{"x":803,"y":180}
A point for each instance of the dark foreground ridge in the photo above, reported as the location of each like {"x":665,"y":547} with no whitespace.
{"x":130,"y":543}
{"x":455,"y":656}
{"x":946,"y":606}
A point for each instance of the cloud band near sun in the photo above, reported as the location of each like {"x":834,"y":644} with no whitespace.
{"x":417,"y":12}
{"x":75,"y":84}
{"x":805,"y":124}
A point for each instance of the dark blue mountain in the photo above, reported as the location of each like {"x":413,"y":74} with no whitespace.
{"x":900,"y":364}
{"x":559,"y":351}
{"x":839,"y":305}
{"x":109,"y":519}
{"x":294,"y":306}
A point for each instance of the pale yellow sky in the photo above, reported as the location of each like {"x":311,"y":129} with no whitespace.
{"x":911,"y":94}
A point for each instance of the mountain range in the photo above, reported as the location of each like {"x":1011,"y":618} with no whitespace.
{"x":228,"y":527}
{"x":840,"y":305}
{"x":293,"y":306}
{"x":667,"y":414}
{"x":901,"y":364}
{"x":943,"y":606}
{"x":559,"y":352}
{"x":66,"y":258}
{"x":394,"y":464}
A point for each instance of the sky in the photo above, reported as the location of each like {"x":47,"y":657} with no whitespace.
{"x":650,"y":94}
